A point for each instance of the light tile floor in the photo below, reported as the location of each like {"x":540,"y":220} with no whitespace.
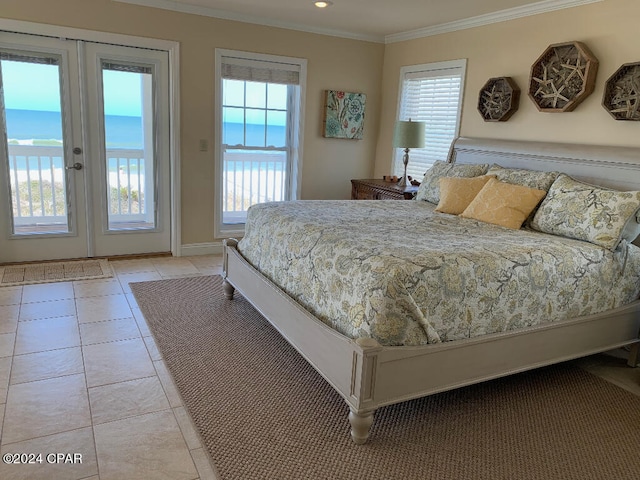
{"x":80,"y":373}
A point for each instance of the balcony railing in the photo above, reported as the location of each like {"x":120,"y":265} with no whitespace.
{"x":251,"y":177}
{"x":130,"y":183}
{"x":39,"y":196}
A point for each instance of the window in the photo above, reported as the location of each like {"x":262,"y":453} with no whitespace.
{"x":430,"y":93}
{"x":259,"y":141}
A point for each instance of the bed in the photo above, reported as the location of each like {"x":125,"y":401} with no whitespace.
{"x":376,"y":349}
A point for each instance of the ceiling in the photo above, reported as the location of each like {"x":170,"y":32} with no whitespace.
{"x":374,"y":20}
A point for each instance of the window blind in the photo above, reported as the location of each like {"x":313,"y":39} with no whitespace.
{"x":431,"y":94}
{"x":26,"y":58}
{"x":260,"y":71}
{"x":129,"y":68}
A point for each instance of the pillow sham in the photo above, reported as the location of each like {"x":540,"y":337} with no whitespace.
{"x":456,"y":193}
{"x":520,"y":176}
{"x":429,"y":189}
{"x":503,"y":204}
{"x":586,"y":212}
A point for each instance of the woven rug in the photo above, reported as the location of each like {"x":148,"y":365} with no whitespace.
{"x":264,"y":413}
{"x":29,"y":273}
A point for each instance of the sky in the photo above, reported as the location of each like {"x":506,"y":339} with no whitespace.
{"x":29,"y":86}
{"x":238,"y":94}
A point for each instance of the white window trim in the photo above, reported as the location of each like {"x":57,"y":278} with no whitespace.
{"x":219,"y":230}
{"x":460,"y":64}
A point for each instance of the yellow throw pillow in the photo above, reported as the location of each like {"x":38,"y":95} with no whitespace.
{"x":503,"y":204}
{"x":456,"y":193}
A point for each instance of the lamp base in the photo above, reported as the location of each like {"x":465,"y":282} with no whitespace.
{"x":405,"y":161}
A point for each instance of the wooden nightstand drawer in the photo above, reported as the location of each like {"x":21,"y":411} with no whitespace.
{"x":374,"y":189}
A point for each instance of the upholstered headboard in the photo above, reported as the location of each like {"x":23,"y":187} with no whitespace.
{"x":613,"y":167}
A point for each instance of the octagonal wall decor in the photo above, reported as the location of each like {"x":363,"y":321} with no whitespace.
{"x":621,"y":96}
{"x":499,"y":99}
{"x":562,"y":77}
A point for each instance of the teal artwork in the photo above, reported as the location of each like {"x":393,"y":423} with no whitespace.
{"x":344,"y":114}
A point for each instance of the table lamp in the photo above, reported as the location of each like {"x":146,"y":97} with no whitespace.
{"x":408,"y":135}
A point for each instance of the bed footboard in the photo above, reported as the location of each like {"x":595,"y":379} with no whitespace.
{"x":227,"y":287}
{"x":350,"y":366}
{"x":368,"y":375}
{"x":634,"y":355}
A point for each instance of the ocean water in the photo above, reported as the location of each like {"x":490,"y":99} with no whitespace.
{"x":126,"y":132}
{"x":120,"y":131}
{"x":275,"y":135}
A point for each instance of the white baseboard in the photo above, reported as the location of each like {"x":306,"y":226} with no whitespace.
{"x":210,"y":248}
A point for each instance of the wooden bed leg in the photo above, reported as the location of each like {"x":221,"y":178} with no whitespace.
{"x":632,"y":360}
{"x":228,"y":290}
{"x":360,"y":426}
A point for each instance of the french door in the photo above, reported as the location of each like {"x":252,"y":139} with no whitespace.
{"x":84,"y":149}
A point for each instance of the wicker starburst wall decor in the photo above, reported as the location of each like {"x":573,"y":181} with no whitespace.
{"x":622,"y":93}
{"x":499,"y":99}
{"x":563,"y":76}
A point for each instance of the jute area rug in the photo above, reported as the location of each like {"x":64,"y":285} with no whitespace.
{"x":264,"y":413}
{"x":30,"y":273}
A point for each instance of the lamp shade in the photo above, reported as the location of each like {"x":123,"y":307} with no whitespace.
{"x":409,"y":134}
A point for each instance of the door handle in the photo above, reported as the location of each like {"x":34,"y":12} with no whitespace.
{"x":75,"y":166}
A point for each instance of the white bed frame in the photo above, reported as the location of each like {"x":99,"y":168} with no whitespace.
{"x":368,"y":375}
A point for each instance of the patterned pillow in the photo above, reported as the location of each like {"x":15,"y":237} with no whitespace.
{"x":586,"y":212}
{"x":504,"y":204}
{"x":528,"y":178}
{"x":429,"y":190}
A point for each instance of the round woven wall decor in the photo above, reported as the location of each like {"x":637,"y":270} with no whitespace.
{"x":563,"y":76}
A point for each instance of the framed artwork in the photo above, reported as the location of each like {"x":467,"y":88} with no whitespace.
{"x":343,"y":114}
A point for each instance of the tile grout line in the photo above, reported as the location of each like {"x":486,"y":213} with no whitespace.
{"x":132,"y":306}
{"x":93,"y":430}
{"x":156,"y":375}
{"x":47,"y":435}
{"x":173,"y":409}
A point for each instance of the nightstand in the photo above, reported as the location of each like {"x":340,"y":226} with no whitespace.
{"x":374,"y":189}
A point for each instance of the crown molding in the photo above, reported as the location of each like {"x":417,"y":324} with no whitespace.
{"x":237,"y":17}
{"x":544,"y":6}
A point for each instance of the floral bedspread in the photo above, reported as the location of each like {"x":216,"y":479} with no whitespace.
{"x":404,"y":274}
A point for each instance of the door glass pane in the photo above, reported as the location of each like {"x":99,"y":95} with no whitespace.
{"x":35,"y":143}
{"x":129,"y":146}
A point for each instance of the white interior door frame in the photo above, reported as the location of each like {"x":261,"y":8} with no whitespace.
{"x":173,"y":48}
